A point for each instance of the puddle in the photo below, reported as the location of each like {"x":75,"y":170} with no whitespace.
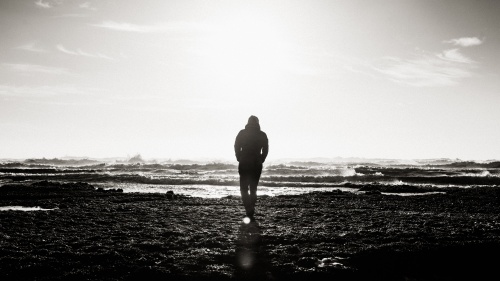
{"x":216,"y":191}
{"x":23,"y":208}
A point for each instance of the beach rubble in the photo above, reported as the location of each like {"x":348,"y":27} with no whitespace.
{"x":93,"y":235}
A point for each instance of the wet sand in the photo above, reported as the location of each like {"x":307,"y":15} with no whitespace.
{"x":97,"y":235}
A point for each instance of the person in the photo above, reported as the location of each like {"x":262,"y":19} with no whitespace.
{"x":251,"y":147}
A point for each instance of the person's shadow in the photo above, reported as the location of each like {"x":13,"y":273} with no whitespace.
{"x":251,"y":260}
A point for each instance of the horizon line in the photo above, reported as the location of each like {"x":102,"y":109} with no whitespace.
{"x":213,"y":159}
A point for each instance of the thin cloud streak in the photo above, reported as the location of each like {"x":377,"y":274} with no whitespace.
{"x":428,"y":71}
{"x":65,"y":94}
{"x":72,"y":16}
{"x":465,"y":41}
{"x":348,"y":63}
{"x":86,"y":5}
{"x":35,"y":68}
{"x":455,"y":56}
{"x":38,"y":92}
{"x":42,"y":4}
{"x":157,"y":28}
{"x":443,"y":69}
{"x":31,"y":47}
{"x":79,"y":52}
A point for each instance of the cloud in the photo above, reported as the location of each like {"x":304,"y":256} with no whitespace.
{"x":442,"y":69}
{"x":71,"y":16}
{"x":86,"y":5}
{"x":42,"y":4}
{"x":454,"y":55}
{"x":349,"y":63}
{"x":31,"y":47}
{"x":65,"y":94}
{"x":34,"y":68}
{"x":38,"y":92}
{"x":79,"y":52}
{"x":465,"y":41}
{"x":48,"y":4}
{"x":425,"y":71}
{"x":60,"y":94}
{"x":157,"y":28}
{"x":125,"y":27}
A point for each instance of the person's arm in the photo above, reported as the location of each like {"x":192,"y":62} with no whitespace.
{"x":265,"y":148}
{"x":237,"y":146}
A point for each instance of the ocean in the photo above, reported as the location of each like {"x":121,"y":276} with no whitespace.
{"x":216,"y":180}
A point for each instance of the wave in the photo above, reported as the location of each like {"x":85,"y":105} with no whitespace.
{"x":472,"y":164}
{"x":309,"y":174}
{"x":63,"y":162}
{"x":310,"y":170}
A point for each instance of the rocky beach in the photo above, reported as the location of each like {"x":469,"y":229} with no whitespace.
{"x":87,"y":233}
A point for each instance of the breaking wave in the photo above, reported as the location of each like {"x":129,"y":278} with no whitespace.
{"x":296,"y":175}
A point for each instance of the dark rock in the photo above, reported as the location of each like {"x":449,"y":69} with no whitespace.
{"x":170,"y":195}
{"x":373,"y":192}
{"x":307,"y":262}
{"x":44,"y":183}
{"x":337,"y":191}
{"x":55,"y":186}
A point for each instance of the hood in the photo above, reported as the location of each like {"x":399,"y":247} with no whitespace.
{"x":254,"y":126}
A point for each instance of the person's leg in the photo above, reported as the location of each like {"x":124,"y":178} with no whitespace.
{"x":244,"y":184}
{"x":254,"y":181}
{"x":253,"y":198}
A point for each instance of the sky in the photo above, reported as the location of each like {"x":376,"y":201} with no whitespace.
{"x":179,"y":79}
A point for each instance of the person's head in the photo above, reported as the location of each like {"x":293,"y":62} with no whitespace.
{"x":253,"y":120}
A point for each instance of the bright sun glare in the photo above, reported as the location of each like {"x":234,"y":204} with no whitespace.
{"x":248,"y":52}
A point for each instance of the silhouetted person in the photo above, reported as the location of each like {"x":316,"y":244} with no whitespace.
{"x":251,"y":148}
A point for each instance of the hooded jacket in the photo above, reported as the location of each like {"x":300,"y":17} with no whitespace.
{"x":251,"y":146}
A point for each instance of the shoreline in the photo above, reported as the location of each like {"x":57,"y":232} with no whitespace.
{"x":123,"y":236}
